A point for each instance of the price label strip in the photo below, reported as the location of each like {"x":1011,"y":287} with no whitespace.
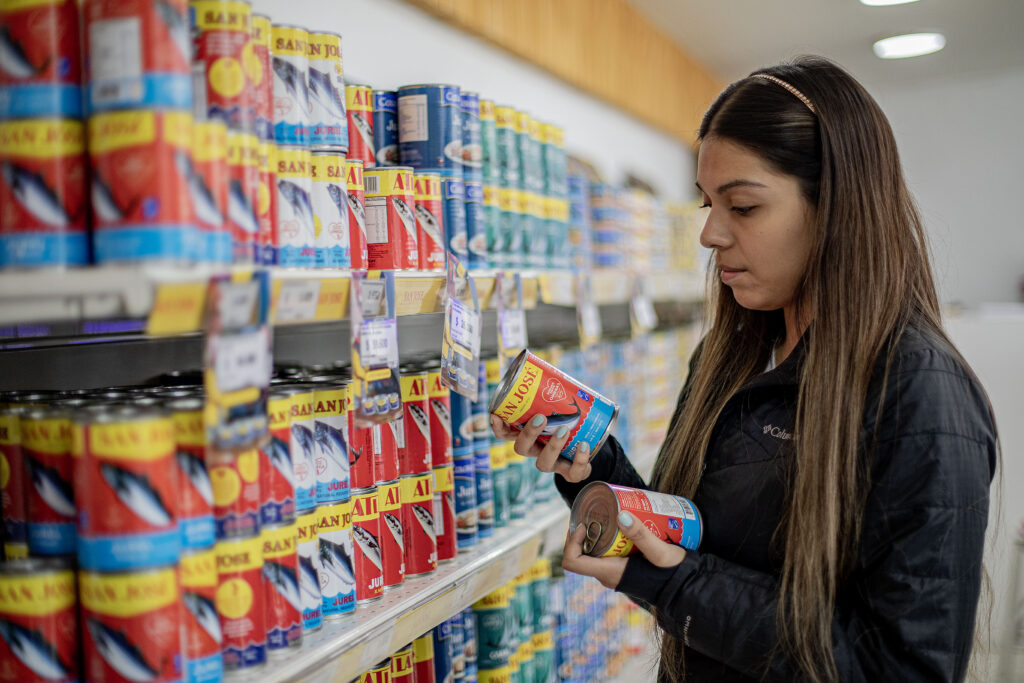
{"x":460,"y":341}
{"x":297,"y":301}
{"x":642,"y":316}
{"x":508,"y":295}
{"x":588,"y":317}
{"x":377,"y":396}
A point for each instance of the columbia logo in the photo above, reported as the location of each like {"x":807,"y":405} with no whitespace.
{"x":777,"y":432}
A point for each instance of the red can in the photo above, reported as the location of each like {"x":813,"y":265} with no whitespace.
{"x":195,"y":490}
{"x":359,"y":110}
{"x":200,"y":624}
{"x":236,"y":496}
{"x":243,"y":197}
{"x":50,"y":499}
{"x":366,"y":534}
{"x":277,"y":487}
{"x":131,"y":625}
{"x":15,"y":507}
{"x":356,"y":213}
{"x":268,"y":241}
{"x":282,"y":593}
{"x":380,"y":673}
{"x":440,"y":418}
{"x":444,"y":513}
{"x":42,"y":73}
{"x":429,"y":220}
{"x":262,"y":78}
{"x":240,"y":603}
{"x":420,"y":529}
{"x":38,"y":609}
{"x":414,"y":447}
{"x":401,"y":666}
{"x":423,"y":658}
{"x":208,"y":185}
{"x":223,"y":48}
{"x":362,"y":449}
{"x":386,"y":465}
{"x":392,"y":532}
{"x":391,"y":242}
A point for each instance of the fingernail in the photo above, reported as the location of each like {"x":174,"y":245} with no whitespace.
{"x":537,"y":421}
{"x":577,"y":527}
{"x":625,"y":519}
{"x":584,"y":447}
{"x":562,"y":431}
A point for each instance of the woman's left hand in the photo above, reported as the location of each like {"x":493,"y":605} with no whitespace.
{"x":609,"y":570}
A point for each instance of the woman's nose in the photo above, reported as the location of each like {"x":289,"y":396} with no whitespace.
{"x":714,"y":235}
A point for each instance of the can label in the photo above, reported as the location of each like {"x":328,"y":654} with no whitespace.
{"x":328,"y":119}
{"x":330,"y":211}
{"x":380,"y":673}
{"x":140,"y":169}
{"x":392,"y":540}
{"x":330,"y":429}
{"x":260,"y":75}
{"x":462,"y":425}
{"x":414,"y":455}
{"x":430,"y":126}
{"x":444,"y":513}
{"x":671,"y":518}
{"x":443,"y":664}
{"x":224,"y":61}
{"x":295,"y":220}
{"x":243,"y":195}
{"x":209,"y":187}
{"x":200,"y":623}
{"x":337,"y":577}
{"x":356,"y":212}
{"x":439,"y":397}
{"x":277,"y":485}
{"x":499,"y":482}
{"x":465,"y":500}
{"x":139,"y":54}
{"x":301,"y":448}
{"x":236,"y":496}
{"x":520,"y":483}
{"x":472,"y":154}
{"x":401,"y":666}
{"x":458,"y":647}
{"x":289,"y":60}
{"x":492,"y":226}
{"x":240,"y":603}
{"x":418,"y":518}
{"x":391,"y":240}
{"x":40,"y":623}
{"x":131,"y":626}
{"x":195,"y":489}
{"x":386,"y":450}
{"x":50,"y":502}
{"x":453,"y":192}
{"x":309,"y":571}
{"x":366,"y":534}
{"x":362,"y":457}
{"x":359,"y":109}
{"x":42,"y":72}
{"x":423,"y":657}
{"x":484,"y":490}
{"x":476,"y":226}
{"x":429,"y":221}
{"x":282,"y":593}
{"x":42,"y":192}
{"x":385,"y":127}
{"x":12,"y":481}
{"x":268,"y":241}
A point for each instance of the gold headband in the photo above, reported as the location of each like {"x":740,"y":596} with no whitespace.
{"x":787,"y":86}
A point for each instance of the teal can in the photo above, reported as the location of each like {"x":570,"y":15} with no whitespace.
{"x":522,"y":603}
{"x":495,"y":629}
{"x":488,"y":143}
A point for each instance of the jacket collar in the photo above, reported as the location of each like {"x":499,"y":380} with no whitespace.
{"x":785,"y":373}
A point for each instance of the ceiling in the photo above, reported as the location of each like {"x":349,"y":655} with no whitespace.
{"x":731,"y":38}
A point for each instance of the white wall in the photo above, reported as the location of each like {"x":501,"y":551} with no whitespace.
{"x":388,"y":43}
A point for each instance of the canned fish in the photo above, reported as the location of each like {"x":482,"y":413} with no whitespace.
{"x":302,"y":446}
{"x":39,"y":617}
{"x":532,"y":387}
{"x":440,"y":418}
{"x":282,"y":593}
{"x":463,"y":428}
{"x":277,"y":481}
{"x":466,"y":514}
{"x":328,"y":120}
{"x":430,"y":126}
{"x":359,"y":108}
{"x":260,"y":74}
{"x":510,"y":234}
{"x":236,"y":496}
{"x":379,"y":673}
{"x":542,"y":640}
{"x":443,"y":655}
{"x":366,"y":534}
{"x":499,"y":483}
{"x":391,"y":241}
{"x":458,"y":647}
{"x":386,"y":466}
{"x":356,"y":212}
{"x":309,"y":569}
{"x":557,"y":221}
{"x":470,"y":651}
{"x":429,"y":220}
{"x":417,"y":496}
{"x":444,"y":513}
{"x":363,"y":448}
{"x":50,"y":501}
{"x":42,"y":166}
{"x":330,"y":210}
{"x":295,"y":221}
{"x":224,"y":56}
{"x":208,"y":185}
{"x":472,"y":152}
{"x":495,"y":245}
{"x":506,"y":157}
{"x":42,"y":73}
{"x":523,"y":605}
{"x":200,"y":623}
{"x":423,"y":658}
{"x":520,"y":482}
{"x":453,"y":194}
{"x":12,"y":480}
{"x":243,"y":195}
{"x":392,"y":543}
{"x":337,"y":577}
{"x":488,"y":143}
{"x":330,"y":429}
{"x":401,"y":666}
{"x":385,"y":127}
{"x":240,"y":603}
{"x":268,"y":240}
{"x":528,"y":147}
{"x":195,"y":489}
{"x":131,"y":625}
{"x":414,"y":456}
{"x":139,"y":54}
{"x":476,"y":225}
{"x":289,"y":59}
{"x":140,"y":169}
{"x":482,"y":459}
{"x":671,"y":518}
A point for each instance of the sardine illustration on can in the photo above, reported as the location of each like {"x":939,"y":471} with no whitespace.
{"x":418,"y":522}
{"x":243,"y":195}
{"x":201,"y":631}
{"x":330,"y":210}
{"x":359,"y":108}
{"x":671,"y":518}
{"x":13,"y":483}
{"x":42,"y":72}
{"x":277,"y":481}
{"x":281,"y":589}
{"x":236,"y":496}
{"x":330,"y":432}
{"x":444,"y":513}
{"x":366,"y":536}
{"x":439,"y":397}
{"x":224,"y":56}
{"x":430,"y":126}
{"x":208,"y":185}
{"x":268,"y":241}
{"x":337,"y":569}
{"x":328,"y":120}
{"x":50,"y":499}
{"x":385,"y":127}
{"x":260,"y":74}
{"x":295,"y":221}
{"x":240,"y":603}
{"x":391,"y":239}
{"x":531,"y":386}
{"x":355,"y":198}
{"x":195,"y":488}
{"x":392,"y":532}
{"x":302,"y":447}
{"x":415,"y":456}
{"x":289,"y":60}
{"x":309,"y":571}
{"x":429,"y":220}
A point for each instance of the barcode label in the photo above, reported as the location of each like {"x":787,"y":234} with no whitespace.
{"x":371,"y":184}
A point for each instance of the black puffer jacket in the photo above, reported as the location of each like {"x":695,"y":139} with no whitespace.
{"x":907,"y":612}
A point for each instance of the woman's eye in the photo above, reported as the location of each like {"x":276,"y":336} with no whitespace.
{"x":743,"y":210}
{"x":705,"y":205}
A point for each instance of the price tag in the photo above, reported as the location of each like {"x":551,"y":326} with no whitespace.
{"x":373,"y":298}
{"x":242,"y":360}
{"x":643,"y":312}
{"x":465,"y":326}
{"x":298,"y":301}
{"x":378,"y":343}
{"x":236,"y":305}
{"x":590,"y":320}
{"x":513,"y":328}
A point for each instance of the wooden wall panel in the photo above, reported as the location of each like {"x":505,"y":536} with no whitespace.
{"x":604,"y":47}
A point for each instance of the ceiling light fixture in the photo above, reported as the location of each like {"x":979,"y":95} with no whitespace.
{"x":909,"y":45}
{"x":885,"y":3}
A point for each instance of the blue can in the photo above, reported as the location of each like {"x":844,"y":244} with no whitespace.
{"x":453,"y":194}
{"x":462,"y":425}
{"x":476,"y":224}
{"x":385,"y":127}
{"x":606,"y":260}
{"x":469,"y":627}
{"x":484,"y":490}
{"x":464,"y":471}
{"x":472,"y":149}
{"x":443,"y":655}
{"x":430,"y":126}
{"x":458,"y":647}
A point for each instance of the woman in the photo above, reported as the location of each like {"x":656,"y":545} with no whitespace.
{"x":837,"y":445}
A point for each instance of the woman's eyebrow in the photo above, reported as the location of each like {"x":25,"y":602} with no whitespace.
{"x":740,"y":182}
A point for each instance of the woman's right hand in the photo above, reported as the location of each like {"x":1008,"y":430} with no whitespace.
{"x":546,"y":455}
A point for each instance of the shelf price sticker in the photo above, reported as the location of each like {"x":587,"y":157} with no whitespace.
{"x":508,"y":296}
{"x":588,"y":317}
{"x":377,"y":394}
{"x":642,"y":316}
{"x":297,"y":301}
{"x":460,"y":340}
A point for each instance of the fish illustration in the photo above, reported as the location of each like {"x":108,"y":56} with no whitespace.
{"x":206,"y":207}
{"x":335,"y":193}
{"x":420,"y":419}
{"x":120,"y":653}
{"x":450,"y":504}
{"x":321,"y":88}
{"x":556,"y":420}
{"x":34,"y":651}
{"x":195,"y":469}
{"x":354,"y":454}
{"x":365,"y":130}
{"x":309,"y":583}
{"x":388,"y":155}
{"x":104,"y":205}
{"x":331,"y":442}
{"x":32,"y":192}
{"x":367,"y":542}
{"x":395,"y":525}
{"x":336,"y":560}
{"x":299,"y":201}
{"x":283,"y":580}
{"x":281,"y":459}
{"x":135,"y":491}
{"x":13,"y":60}
{"x":240,"y":209}
{"x":453,"y":150}
{"x":425,"y":519}
{"x":52,"y":487}
{"x":441,"y":410}
{"x":428,"y":222}
{"x":203,"y":610}
{"x":358,"y":211}
{"x":407,"y":216}
{"x":177,"y":27}
{"x":304,"y":437}
{"x":294,"y":81}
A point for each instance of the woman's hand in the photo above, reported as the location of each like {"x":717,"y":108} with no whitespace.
{"x":546,"y":456}
{"x":609,"y":570}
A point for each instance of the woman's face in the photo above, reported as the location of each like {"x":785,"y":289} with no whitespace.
{"x":759,"y":225}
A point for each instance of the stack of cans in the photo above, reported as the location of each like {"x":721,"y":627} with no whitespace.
{"x":579,"y":223}
{"x":609,"y":239}
{"x":491,"y":183}
{"x":556,"y":196}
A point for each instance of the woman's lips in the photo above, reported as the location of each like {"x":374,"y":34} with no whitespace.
{"x":729,"y":274}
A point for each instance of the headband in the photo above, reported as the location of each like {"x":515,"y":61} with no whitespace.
{"x":778,"y":81}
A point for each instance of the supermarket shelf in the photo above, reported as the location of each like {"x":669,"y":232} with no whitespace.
{"x":617,"y":287}
{"x":345,"y":648}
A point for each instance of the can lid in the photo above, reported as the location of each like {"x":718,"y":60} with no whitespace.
{"x":118,"y":412}
{"x":431,"y":174}
{"x":429,"y":85}
{"x":34,"y":566}
{"x":291,"y":26}
{"x":382,"y":169}
{"x":364,"y":491}
{"x":597,"y":507}
{"x":184,"y":404}
{"x":327,"y":151}
{"x":326,"y":33}
{"x":295,"y":388}
{"x":357,"y":85}
{"x":507,"y":380}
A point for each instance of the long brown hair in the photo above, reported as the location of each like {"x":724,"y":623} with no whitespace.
{"x":868,"y":277}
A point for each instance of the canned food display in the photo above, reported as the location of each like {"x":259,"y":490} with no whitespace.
{"x":391,"y":239}
{"x":42,"y":74}
{"x":429,"y":220}
{"x":359,"y":108}
{"x":355,"y":199}
{"x":414,"y":453}
{"x":46,"y":435}
{"x":385,"y":127}
{"x":330,"y":433}
{"x":209,"y":187}
{"x":328,"y":121}
{"x":337,"y":571}
{"x":201,"y":629}
{"x":330,"y":210}
{"x":366,"y":535}
{"x":243,"y":195}
{"x":277,"y":480}
{"x":289,"y":60}
{"x":295,"y":221}
{"x":223,"y":53}
{"x":241,"y":603}
{"x":309,"y":569}
{"x":259,"y":71}
{"x":282,"y":593}
{"x":430,"y":126}
{"x":392,"y":533}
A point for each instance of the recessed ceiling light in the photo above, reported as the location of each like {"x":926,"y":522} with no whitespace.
{"x":885,"y":3}
{"x":909,"y":45}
